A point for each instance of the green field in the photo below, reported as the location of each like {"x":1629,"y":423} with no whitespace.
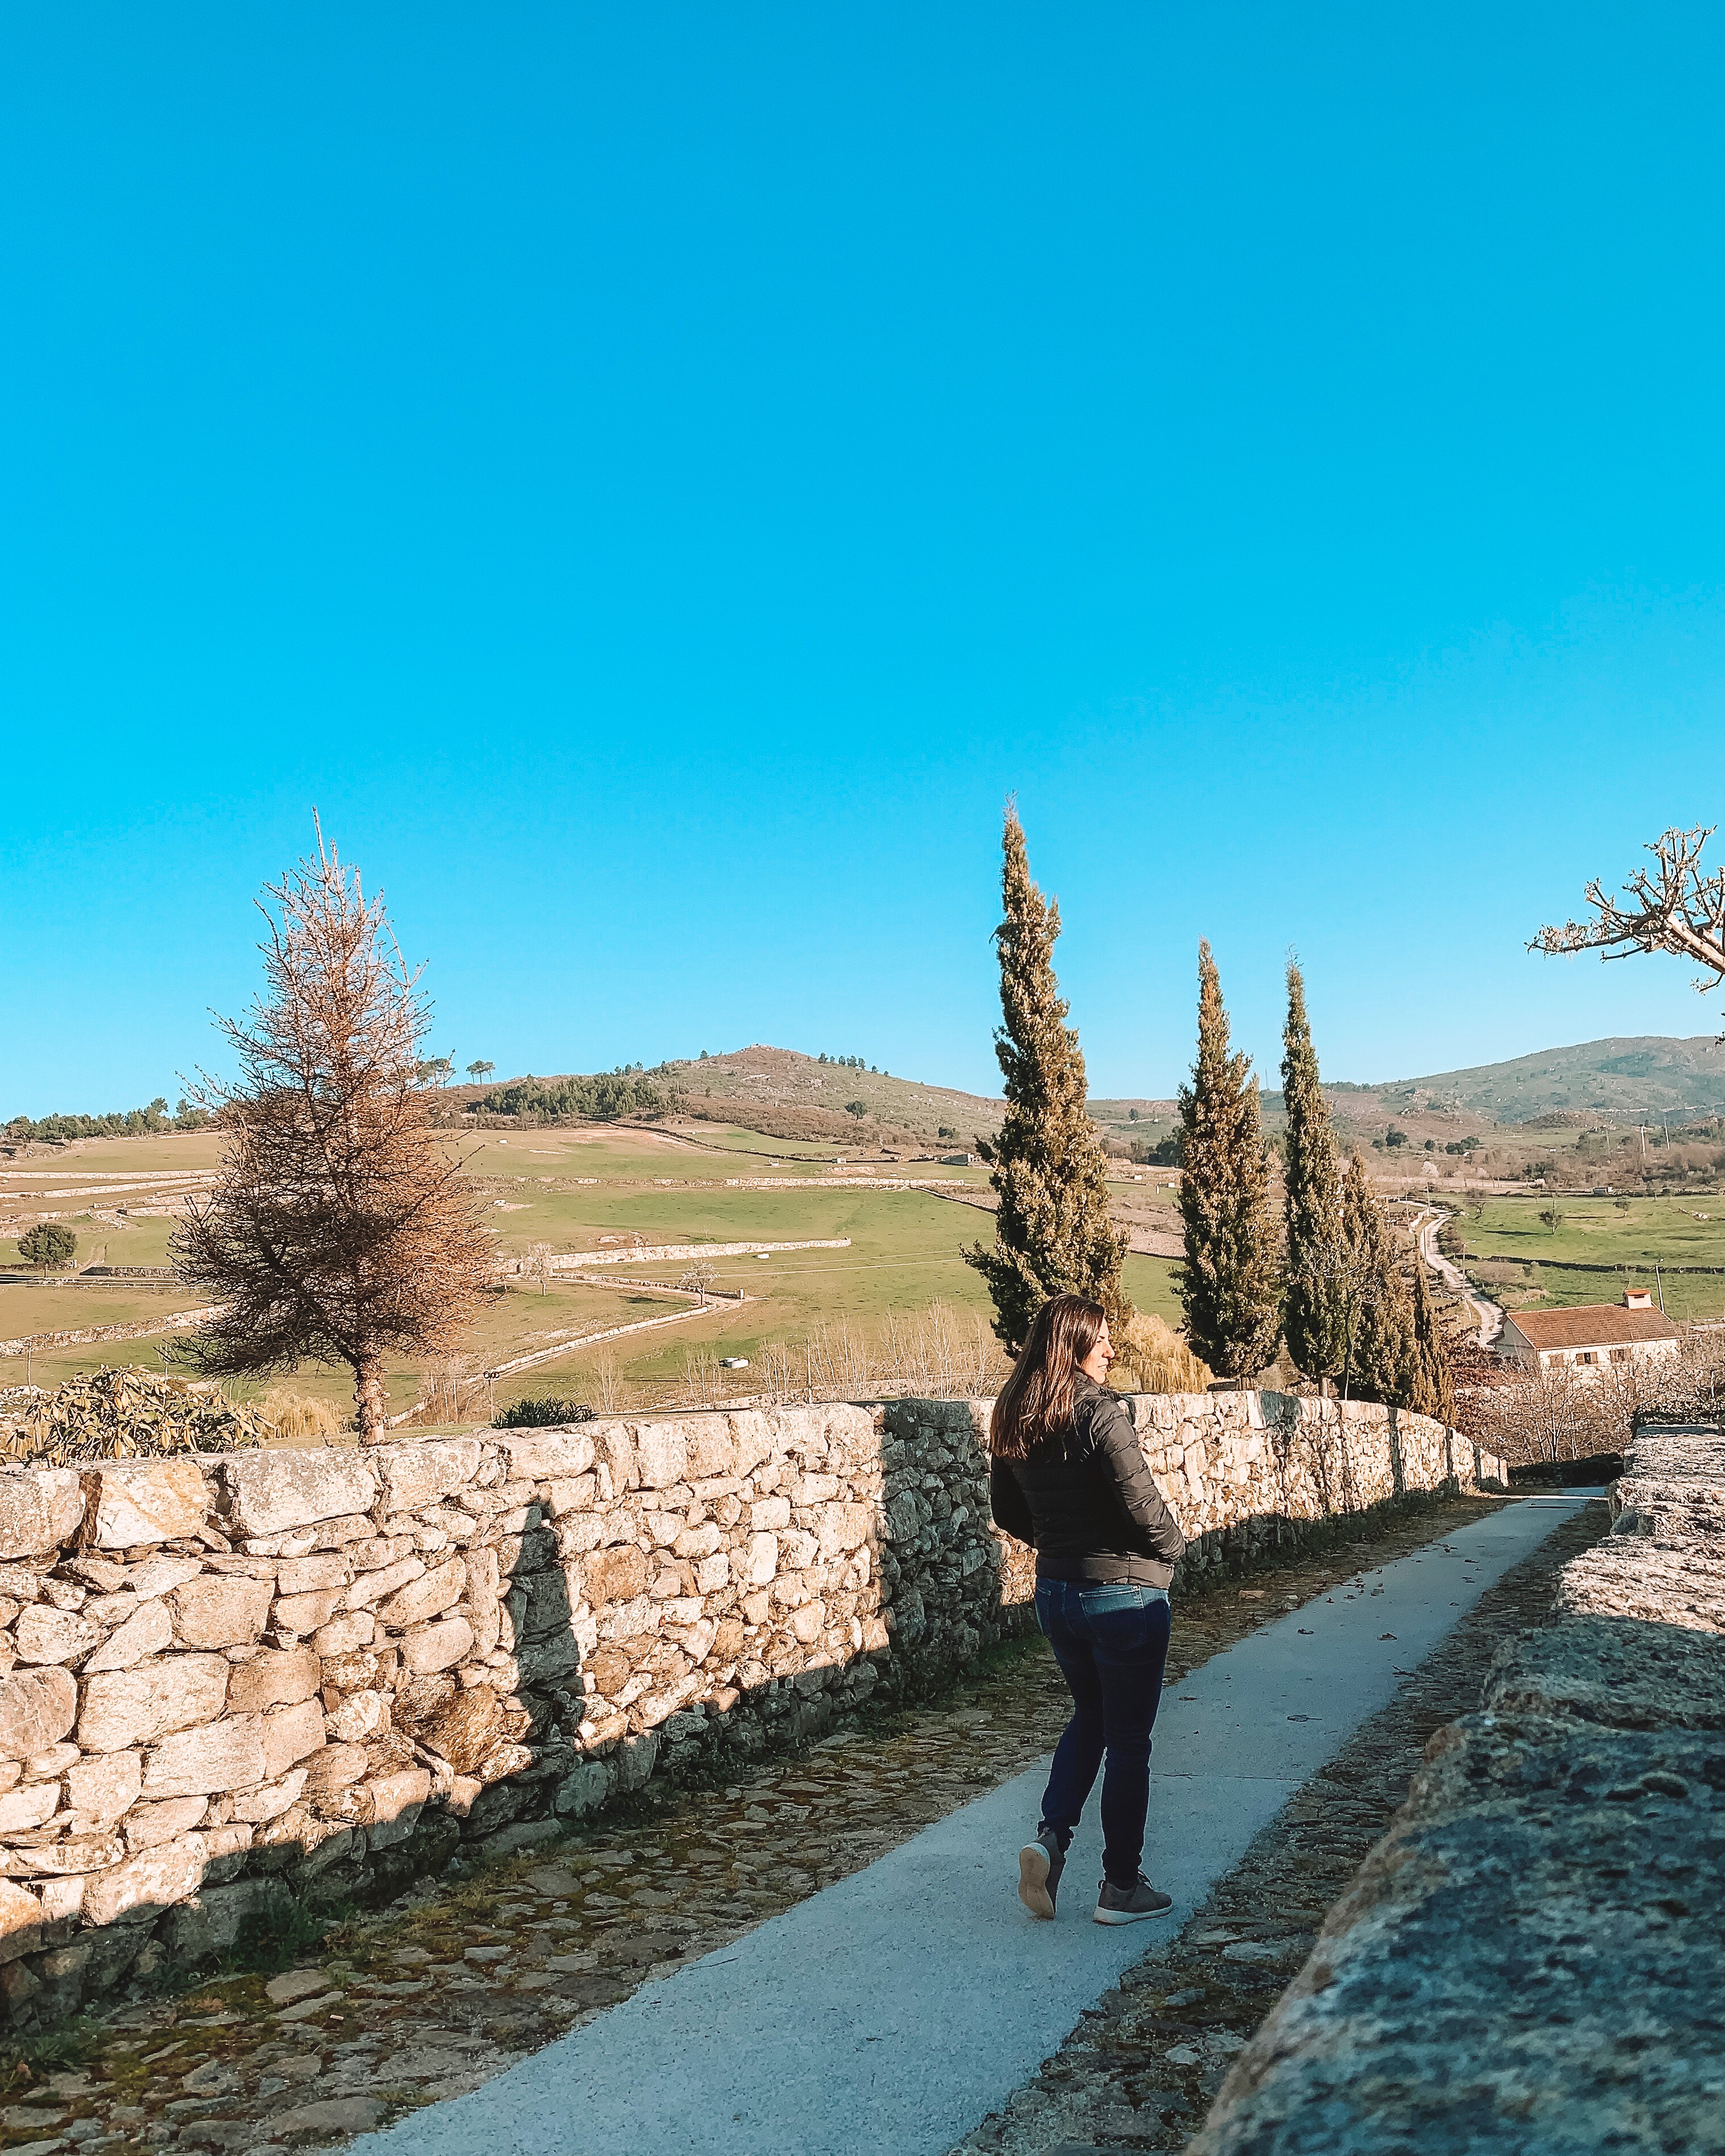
{"x":571,"y":1188}
{"x":1596,"y":1231}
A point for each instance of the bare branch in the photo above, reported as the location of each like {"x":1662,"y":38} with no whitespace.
{"x":1671,"y":907}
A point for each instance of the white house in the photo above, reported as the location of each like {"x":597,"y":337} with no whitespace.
{"x":1593,"y":1334}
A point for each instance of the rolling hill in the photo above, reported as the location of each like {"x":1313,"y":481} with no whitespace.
{"x":1620,"y":1080}
{"x":788,"y":1095}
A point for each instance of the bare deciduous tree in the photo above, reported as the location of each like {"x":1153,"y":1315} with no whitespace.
{"x":1671,"y":906}
{"x":338,"y":1229}
{"x":539,"y":1265}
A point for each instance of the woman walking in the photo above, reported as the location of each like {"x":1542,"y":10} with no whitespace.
{"x":1065,"y":1474}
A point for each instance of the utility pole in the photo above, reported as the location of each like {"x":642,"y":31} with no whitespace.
{"x":1659,"y":1285}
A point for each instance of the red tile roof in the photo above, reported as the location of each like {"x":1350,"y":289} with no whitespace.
{"x":1592,"y":1325}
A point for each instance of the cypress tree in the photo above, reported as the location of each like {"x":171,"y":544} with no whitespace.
{"x":1433,"y":1391}
{"x":1315,"y":1309}
{"x":1053,"y":1234}
{"x":1381,"y":1360}
{"x":1228,"y":1286}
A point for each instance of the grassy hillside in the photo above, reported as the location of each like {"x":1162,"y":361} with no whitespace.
{"x":782,"y":1093}
{"x":1621,"y":1081}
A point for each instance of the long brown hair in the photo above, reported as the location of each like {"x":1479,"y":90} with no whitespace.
{"x":1037,"y":1400}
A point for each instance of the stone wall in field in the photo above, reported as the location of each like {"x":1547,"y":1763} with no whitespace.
{"x":1533,"y":1959}
{"x":226,"y":1680}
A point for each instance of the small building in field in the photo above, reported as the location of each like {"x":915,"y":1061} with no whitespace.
{"x":1593,"y":1336}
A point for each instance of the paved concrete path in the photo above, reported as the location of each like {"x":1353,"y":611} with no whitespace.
{"x":888,"y":2014}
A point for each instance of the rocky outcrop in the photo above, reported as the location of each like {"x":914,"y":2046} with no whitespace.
{"x":1534,"y":1959}
{"x":231,"y":1676}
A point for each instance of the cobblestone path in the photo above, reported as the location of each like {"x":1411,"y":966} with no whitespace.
{"x":457,"y":1979}
{"x":1141,"y":2068}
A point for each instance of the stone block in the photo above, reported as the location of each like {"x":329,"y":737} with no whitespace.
{"x":770,"y":1512}
{"x":21,"y":1922}
{"x":697,"y":1542}
{"x":843,"y":1527}
{"x":291,"y":1733}
{"x":269,"y":1801}
{"x":613,"y":1575}
{"x":431,"y":1647}
{"x":122,"y":1707}
{"x":306,"y":1613}
{"x":712,"y":1446}
{"x":273,"y":1678}
{"x":337,"y":1767}
{"x":41,"y":1509}
{"x":37,"y":1708}
{"x":146,"y":1632}
{"x":32,"y":1805}
{"x":43,"y":1633}
{"x":360,"y":1715}
{"x":661,"y":1455}
{"x":269,"y":1493}
{"x":145,"y":1500}
{"x":538,"y":1456}
{"x":583,"y":1790}
{"x":712,"y":1574}
{"x":1624,"y":1673}
{"x":101,"y":1789}
{"x":225,"y":1755}
{"x":148,"y":1826}
{"x":209,"y":1925}
{"x":158,"y":1575}
{"x":397,"y":1801}
{"x":763,"y":1559}
{"x":371,"y":1587}
{"x":627,"y":1620}
{"x":146,"y":1884}
{"x":310,"y":1575}
{"x":221,"y":1612}
{"x":345,"y":1636}
{"x":418,"y":1474}
{"x":426,"y":1597}
{"x":573,"y":1493}
{"x":544,"y":1661}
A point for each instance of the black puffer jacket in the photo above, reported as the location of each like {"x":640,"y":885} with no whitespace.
{"x":1089,"y":1505}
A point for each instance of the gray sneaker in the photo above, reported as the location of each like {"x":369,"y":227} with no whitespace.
{"x":1130,"y":1905}
{"x":1041,"y":1864}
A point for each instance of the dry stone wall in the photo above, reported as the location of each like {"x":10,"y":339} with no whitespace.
{"x":225,"y":1680}
{"x":1533,"y":1959}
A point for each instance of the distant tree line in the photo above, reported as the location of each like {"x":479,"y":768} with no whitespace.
{"x":603,"y":1098}
{"x":127,"y":1123}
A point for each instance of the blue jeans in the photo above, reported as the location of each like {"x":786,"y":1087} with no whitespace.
{"x":1111,"y":1642}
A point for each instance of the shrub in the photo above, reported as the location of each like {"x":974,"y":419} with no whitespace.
{"x":131,"y":1414}
{"x":857,"y":1108}
{"x":1155,"y":1358}
{"x":47,"y":1244}
{"x":599,"y":1100}
{"x":545,"y":1414}
{"x":300,"y":1414}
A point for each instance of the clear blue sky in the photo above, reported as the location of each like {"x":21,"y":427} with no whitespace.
{"x":657,"y":478}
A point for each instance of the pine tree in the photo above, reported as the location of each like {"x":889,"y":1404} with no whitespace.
{"x":1053,"y":1234}
{"x":1381,"y":1364}
{"x":1314,"y":1311}
{"x":1228,"y":1285}
{"x":338,"y":1228}
{"x":1433,"y":1391}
